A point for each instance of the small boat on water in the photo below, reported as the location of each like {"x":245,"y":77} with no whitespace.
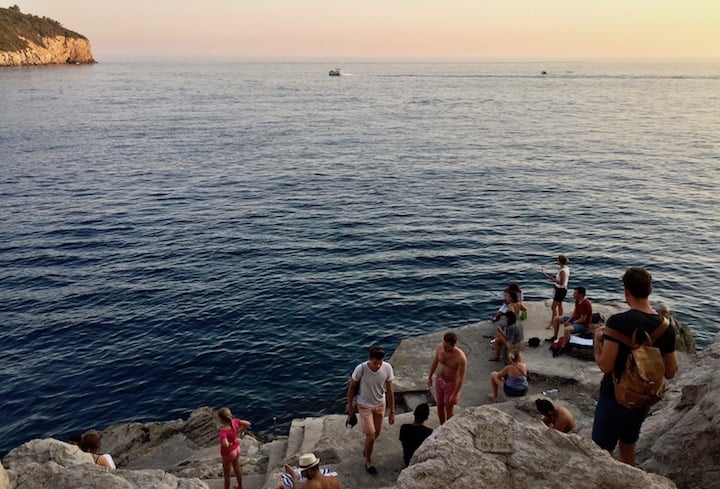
{"x":336,"y":72}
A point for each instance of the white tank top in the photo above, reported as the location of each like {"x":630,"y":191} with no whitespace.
{"x":567,"y":277}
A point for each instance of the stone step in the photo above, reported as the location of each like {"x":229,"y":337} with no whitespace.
{"x":249,"y":482}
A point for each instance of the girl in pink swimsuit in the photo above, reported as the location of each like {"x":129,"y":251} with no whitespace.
{"x":230,"y":445}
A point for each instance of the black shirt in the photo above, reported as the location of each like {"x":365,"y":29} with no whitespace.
{"x":626,"y":323}
{"x":412,"y":436}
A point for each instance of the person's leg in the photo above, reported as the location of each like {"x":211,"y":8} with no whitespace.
{"x":238,"y":471}
{"x":496,"y":348}
{"x":440,"y":398}
{"x":495,"y":383}
{"x":556,"y":322}
{"x":449,"y":411}
{"x":626,"y":453}
{"x":226,"y":473}
{"x":604,"y":430}
{"x":368,"y":427}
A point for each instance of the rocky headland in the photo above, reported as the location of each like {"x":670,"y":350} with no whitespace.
{"x":28,"y":40}
{"x":486,"y":445}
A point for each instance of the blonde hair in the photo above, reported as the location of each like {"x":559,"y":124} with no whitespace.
{"x":515,"y":355}
{"x":225,"y":415}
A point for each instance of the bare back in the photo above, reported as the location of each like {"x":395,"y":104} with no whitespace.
{"x":451,"y":365}
{"x":320,"y":481}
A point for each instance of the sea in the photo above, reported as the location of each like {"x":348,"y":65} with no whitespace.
{"x":178,"y":234}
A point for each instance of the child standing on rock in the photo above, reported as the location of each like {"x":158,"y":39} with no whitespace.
{"x":230,"y":444}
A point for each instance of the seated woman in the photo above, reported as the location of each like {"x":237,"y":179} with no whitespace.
{"x":90,"y":443}
{"x":511,"y":337}
{"x":513,"y":378}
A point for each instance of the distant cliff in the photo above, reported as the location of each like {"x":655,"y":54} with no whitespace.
{"x":27,"y":39}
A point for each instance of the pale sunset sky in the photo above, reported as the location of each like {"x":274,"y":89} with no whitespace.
{"x":346,"y":30}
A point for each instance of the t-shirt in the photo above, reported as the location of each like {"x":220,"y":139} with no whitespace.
{"x":411,"y":437}
{"x":372,"y":384}
{"x":626,"y":323}
{"x":583,"y":308}
{"x":229,"y":434}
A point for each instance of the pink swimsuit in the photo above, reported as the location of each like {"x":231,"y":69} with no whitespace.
{"x":230,"y":434}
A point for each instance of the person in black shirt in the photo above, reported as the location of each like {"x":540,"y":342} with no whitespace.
{"x":614,"y":422}
{"x":412,"y":435}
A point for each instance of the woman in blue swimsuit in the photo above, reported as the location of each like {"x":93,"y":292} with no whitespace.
{"x":513,"y":378}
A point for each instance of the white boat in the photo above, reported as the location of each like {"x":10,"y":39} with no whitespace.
{"x":336,"y":72}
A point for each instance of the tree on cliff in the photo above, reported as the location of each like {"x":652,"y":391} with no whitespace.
{"x":16,"y":27}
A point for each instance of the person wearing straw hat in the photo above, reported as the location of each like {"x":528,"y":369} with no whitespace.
{"x":310,"y":476}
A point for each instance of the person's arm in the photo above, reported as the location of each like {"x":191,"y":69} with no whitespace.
{"x":605,"y":351}
{"x":459,"y":379}
{"x":671,"y":364}
{"x":243,"y":425}
{"x":352,"y":389}
{"x":103,"y":461}
{"x":433,"y":367}
{"x":561,"y":278}
{"x":391,"y":400}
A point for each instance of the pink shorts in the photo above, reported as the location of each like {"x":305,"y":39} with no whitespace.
{"x":443,"y":391}
{"x":232,"y":454}
{"x":367,"y":418}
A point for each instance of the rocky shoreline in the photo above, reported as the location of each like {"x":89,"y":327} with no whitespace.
{"x":485,"y":445}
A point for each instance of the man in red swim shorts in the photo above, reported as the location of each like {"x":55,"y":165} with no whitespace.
{"x":451,"y":365}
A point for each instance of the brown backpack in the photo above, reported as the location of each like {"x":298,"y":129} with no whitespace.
{"x":642,"y":383}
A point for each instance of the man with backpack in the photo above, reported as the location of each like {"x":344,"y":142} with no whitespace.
{"x":636,"y":352}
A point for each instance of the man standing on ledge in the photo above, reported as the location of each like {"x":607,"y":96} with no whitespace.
{"x":374,"y":379}
{"x":451,"y":364}
{"x":613,"y":421}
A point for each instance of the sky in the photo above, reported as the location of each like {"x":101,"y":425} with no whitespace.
{"x":346,"y":30}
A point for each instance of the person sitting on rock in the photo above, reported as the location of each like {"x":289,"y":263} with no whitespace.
{"x":412,"y":435}
{"x":511,"y":337}
{"x":90,"y":443}
{"x":556,"y":417}
{"x":309,"y":477}
{"x":580,"y":320}
{"x":513,"y":378}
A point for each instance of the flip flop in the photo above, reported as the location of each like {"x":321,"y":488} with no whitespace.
{"x":371,"y":470}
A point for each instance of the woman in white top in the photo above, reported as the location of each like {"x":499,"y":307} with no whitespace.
{"x":90,"y":443}
{"x":560,"y":282}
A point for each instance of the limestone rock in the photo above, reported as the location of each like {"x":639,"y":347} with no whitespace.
{"x":684,"y":339}
{"x":486,"y":448}
{"x":4,"y":479}
{"x":56,"y":50}
{"x":36,"y":462}
{"x":681,"y":439}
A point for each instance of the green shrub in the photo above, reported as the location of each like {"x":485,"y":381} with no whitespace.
{"x":15,"y":25}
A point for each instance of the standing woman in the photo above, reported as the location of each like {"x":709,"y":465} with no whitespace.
{"x":230,"y":445}
{"x":560,"y":282}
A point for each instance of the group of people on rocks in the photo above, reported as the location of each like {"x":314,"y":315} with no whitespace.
{"x":370,"y":389}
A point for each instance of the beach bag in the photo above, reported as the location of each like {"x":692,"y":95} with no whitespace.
{"x":523,"y":315}
{"x":557,"y":347}
{"x":642,"y":383}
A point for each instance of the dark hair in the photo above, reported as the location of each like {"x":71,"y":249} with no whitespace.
{"x":581,"y":291}
{"x":544,"y":406}
{"x":90,"y":442}
{"x":377,"y":353}
{"x":513,"y":287}
{"x":563,"y":259}
{"x":422,"y":412}
{"x":450,"y":337}
{"x":511,"y":318}
{"x":513,"y":295}
{"x":638,"y":282}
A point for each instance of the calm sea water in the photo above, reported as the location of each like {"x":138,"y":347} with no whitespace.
{"x":177,"y":235}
